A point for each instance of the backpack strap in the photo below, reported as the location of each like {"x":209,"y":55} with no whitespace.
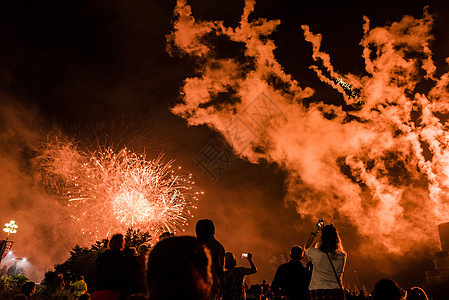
{"x":335,"y":273}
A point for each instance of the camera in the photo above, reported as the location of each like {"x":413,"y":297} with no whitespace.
{"x":244,"y":255}
{"x":320,"y":224}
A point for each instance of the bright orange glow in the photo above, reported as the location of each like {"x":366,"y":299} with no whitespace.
{"x":380,"y":163}
{"x":109,"y":191}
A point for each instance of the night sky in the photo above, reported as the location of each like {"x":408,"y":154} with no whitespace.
{"x":98,"y":72}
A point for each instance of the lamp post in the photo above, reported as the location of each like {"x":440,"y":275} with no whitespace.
{"x":10,"y":227}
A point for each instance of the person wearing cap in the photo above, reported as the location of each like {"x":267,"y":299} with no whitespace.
{"x":234,"y":277}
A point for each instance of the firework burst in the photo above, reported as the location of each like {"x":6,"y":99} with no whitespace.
{"x":111,"y":190}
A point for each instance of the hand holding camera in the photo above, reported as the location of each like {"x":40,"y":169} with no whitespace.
{"x":248,"y":256}
{"x":319,"y":225}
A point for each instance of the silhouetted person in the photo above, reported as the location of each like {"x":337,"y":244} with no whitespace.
{"x":80,"y":287}
{"x":28,"y":290}
{"x":135,"y":278}
{"x":265,"y":286}
{"x":85,"y":296}
{"x":179,"y":268}
{"x":166,"y":235}
{"x":291,"y":279}
{"x":59,"y":283}
{"x":387,"y":289}
{"x":234,"y":277}
{"x":254,"y":292}
{"x":142,"y":256}
{"x":362,"y":295}
{"x":325,"y":284}
{"x":111,"y":271}
{"x":142,"y":259}
{"x":416,"y":293}
{"x":205,"y":231}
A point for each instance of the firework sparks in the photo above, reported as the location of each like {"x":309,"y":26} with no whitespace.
{"x":108,"y":191}
{"x":57,"y":163}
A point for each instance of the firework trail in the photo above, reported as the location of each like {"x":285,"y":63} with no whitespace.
{"x":380,"y":166}
{"x":109,"y":191}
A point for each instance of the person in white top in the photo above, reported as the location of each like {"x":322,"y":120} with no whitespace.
{"x":326,"y":281}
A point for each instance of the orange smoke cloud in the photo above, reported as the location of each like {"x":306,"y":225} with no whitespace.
{"x":382,"y":167}
{"x":42,"y":236}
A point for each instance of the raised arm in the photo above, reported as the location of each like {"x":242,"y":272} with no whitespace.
{"x":253,"y":269}
{"x":312,"y":237}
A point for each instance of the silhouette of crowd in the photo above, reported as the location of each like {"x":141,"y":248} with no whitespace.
{"x":198,"y":268}
{"x":177,"y":267}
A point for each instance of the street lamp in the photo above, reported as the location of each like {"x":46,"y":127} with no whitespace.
{"x":10,"y":227}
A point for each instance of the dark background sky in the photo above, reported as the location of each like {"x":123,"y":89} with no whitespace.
{"x":99,"y":68}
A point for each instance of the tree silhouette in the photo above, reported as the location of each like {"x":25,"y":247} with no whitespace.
{"x":135,"y":238}
{"x":82,"y":261}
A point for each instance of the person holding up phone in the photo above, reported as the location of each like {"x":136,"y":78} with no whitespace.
{"x":329,"y":260}
{"x":234,"y":276}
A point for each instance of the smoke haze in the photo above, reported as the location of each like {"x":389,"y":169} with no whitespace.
{"x":380,"y":166}
{"x":25,"y":201}
{"x":135,"y":74}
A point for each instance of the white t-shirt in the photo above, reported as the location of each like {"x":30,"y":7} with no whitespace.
{"x":323,"y":277}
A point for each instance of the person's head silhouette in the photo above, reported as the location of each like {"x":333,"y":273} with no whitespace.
{"x":179,"y":268}
{"x":387,"y":289}
{"x":230,"y":261}
{"x":117,"y":242}
{"x":205,"y":229}
{"x":416,"y":293}
{"x":296,"y":253}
